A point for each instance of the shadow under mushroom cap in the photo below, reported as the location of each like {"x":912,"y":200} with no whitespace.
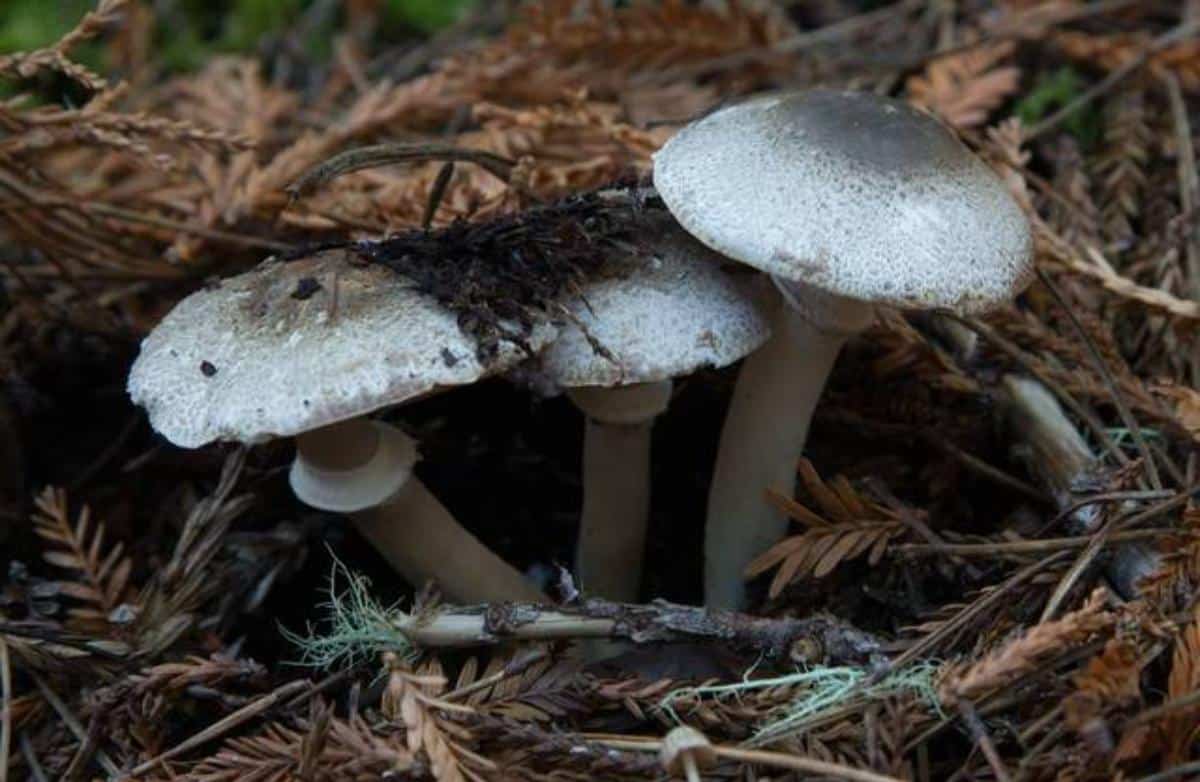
{"x":289,"y":347}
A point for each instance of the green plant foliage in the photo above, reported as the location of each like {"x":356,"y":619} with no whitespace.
{"x":427,"y":15}
{"x":249,"y":20}
{"x":1052,"y":91}
{"x":190,"y":32}
{"x":30,"y":24}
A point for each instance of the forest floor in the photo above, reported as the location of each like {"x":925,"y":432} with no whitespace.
{"x":1033,"y":608}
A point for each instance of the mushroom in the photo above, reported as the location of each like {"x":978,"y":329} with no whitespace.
{"x":663,"y":313}
{"x":847,"y":200}
{"x":685,"y":752}
{"x":309,"y":348}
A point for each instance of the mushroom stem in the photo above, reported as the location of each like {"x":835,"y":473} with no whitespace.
{"x":764,"y":433}
{"x":364,"y":469}
{"x":616,"y":485}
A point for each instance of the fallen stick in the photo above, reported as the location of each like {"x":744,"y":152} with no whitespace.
{"x":1056,"y":453}
{"x":815,"y":639}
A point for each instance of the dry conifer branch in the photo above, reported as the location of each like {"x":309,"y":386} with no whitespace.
{"x":252,"y":710}
{"x":121,"y":643}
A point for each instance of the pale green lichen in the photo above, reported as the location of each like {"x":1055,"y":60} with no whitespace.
{"x":819,"y":691}
{"x":360,"y":627}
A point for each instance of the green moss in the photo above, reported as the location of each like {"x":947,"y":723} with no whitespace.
{"x":1052,"y":91}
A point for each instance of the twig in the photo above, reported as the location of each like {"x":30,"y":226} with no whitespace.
{"x":1019,"y":546}
{"x":760,"y":757}
{"x":1111,"y":496}
{"x":980,"y":733}
{"x":73,"y":725}
{"x":929,"y":642}
{"x":1127,"y":417}
{"x":223,"y":726}
{"x":657,"y":622}
{"x":389,"y":154}
{"x":982,"y":468}
{"x":35,"y":768}
{"x":1099,"y":540}
{"x":87,"y":749}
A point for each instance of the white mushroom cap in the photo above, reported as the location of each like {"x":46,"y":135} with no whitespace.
{"x":290,"y":347}
{"x":664,"y":314}
{"x":861,"y":196}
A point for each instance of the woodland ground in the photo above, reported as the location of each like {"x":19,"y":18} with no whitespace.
{"x":153,"y":596}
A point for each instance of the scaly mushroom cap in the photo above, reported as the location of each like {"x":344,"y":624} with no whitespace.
{"x":860,"y":196}
{"x":663,"y":314}
{"x":289,"y":347}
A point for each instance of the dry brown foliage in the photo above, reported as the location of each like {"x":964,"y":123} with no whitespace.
{"x":851,"y":527}
{"x":126,"y":640}
{"x":100,"y":570}
{"x":1026,"y":654}
{"x":1114,"y":50}
{"x":965,"y":88}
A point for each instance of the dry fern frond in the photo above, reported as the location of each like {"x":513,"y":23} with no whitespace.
{"x":1021,"y":656}
{"x":852,"y":526}
{"x":101,"y":573}
{"x":965,"y":88}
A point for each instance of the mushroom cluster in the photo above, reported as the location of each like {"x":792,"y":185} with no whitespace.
{"x":847,"y":200}
{"x":309,"y":348}
{"x":844,"y":200}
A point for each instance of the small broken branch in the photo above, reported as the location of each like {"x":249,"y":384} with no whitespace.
{"x":389,"y":154}
{"x":814,"y":639}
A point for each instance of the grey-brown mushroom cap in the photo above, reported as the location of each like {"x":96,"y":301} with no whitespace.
{"x":289,"y":347}
{"x":668,"y":312}
{"x":861,"y":196}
